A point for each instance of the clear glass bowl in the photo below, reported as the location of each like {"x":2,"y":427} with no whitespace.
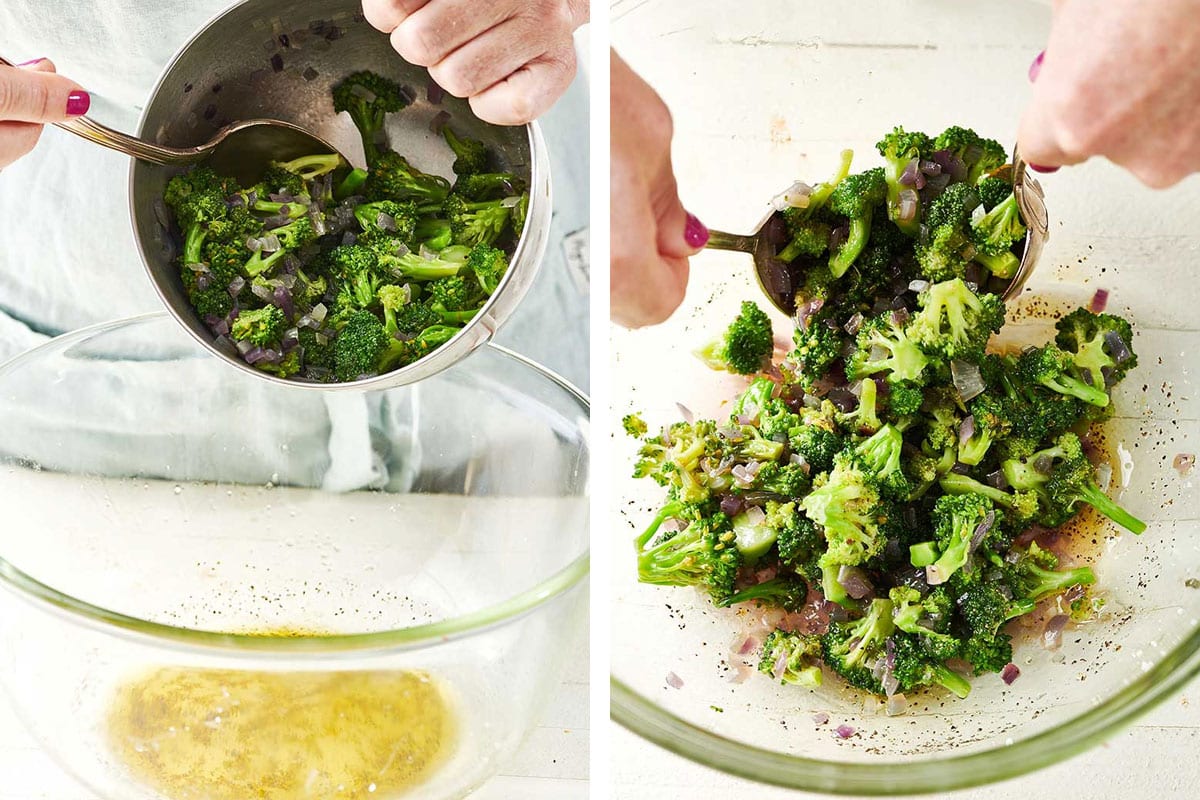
{"x":802,"y":93}
{"x":166,"y":513}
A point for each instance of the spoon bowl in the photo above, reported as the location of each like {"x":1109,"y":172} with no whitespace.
{"x":778,"y":282}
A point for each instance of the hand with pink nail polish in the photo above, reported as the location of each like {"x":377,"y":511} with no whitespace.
{"x":33,"y":95}
{"x":1118,"y":79}
{"x":652,"y":235}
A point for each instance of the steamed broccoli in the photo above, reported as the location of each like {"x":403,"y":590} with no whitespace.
{"x":791,"y":658}
{"x":745,"y":345}
{"x":368,"y":98}
{"x":855,"y":197}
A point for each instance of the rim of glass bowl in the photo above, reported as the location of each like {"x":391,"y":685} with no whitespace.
{"x":401,"y":639}
{"x":648,"y":720}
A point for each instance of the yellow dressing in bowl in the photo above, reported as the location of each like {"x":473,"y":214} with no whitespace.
{"x":219,"y":734}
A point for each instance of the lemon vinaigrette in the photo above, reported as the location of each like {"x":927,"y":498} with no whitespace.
{"x":219,"y":734}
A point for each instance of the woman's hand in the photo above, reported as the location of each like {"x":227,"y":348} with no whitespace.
{"x":512,"y":58}
{"x":1119,"y":79}
{"x":32,"y":95}
{"x":652,"y":235}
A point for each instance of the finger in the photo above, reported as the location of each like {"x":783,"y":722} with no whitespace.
{"x":438,"y":29}
{"x":39,"y":65}
{"x":16,"y":140}
{"x":37,"y":96}
{"x":528,"y":92}
{"x":1039,"y":140}
{"x":385,"y":15}
{"x":490,"y":58}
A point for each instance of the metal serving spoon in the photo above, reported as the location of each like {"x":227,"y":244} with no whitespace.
{"x":776,"y":280}
{"x":241,"y":150}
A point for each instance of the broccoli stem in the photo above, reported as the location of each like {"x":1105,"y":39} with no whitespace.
{"x":664,"y":513}
{"x":953,"y":483}
{"x":310,"y":167}
{"x":1051,"y":581}
{"x":1104,"y":504}
{"x":1065,"y":384}
{"x":192,"y":244}
{"x":843,"y":259}
{"x":350,"y":185}
{"x":951,"y":680}
{"x":1004,"y":265}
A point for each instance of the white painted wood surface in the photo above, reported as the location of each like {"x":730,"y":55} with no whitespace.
{"x":761,"y":93}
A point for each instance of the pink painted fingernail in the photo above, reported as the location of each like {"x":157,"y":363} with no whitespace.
{"x":1045,"y":170}
{"x":78,"y":104}
{"x":31,"y":63}
{"x":1036,"y":66}
{"x":694,"y":233}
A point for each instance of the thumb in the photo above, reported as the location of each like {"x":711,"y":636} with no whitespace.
{"x":37,"y":94}
{"x":680,"y":234}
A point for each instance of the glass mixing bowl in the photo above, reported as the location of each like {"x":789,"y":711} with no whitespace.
{"x":811,"y":79}
{"x":188,"y":553}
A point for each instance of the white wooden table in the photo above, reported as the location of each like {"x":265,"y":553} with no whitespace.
{"x":760,"y":91}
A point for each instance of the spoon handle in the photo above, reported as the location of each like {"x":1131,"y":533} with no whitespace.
{"x":129,"y":145}
{"x":719,"y":240}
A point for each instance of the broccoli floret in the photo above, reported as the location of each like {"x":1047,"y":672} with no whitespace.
{"x":884,"y":346}
{"x":357,"y":267}
{"x":746,"y":344}
{"x":952,"y":208}
{"x":816,"y":444}
{"x":880,"y":454}
{"x":261,"y":326}
{"x":471,"y":155}
{"x":855,"y":197}
{"x":434,"y":233}
{"x":233,"y":229}
{"x":851,"y":648}
{"x":702,"y":554}
{"x":993,"y":191}
{"x":1072,"y":480}
{"x":798,"y":539}
{"x":977,"y":154}
{"x":846,"y":503}
{"x":480,"y":222}
{"x":957,"y":518}
{"x":776,"y":420}
{"x":674,"y":460}
{"x":318,"y":348}
{"x":414,"y":267}
{"x":900,"y":148}
{"x":1095,"y":342}
{"x":198,"y":196}
{"x":393,"y":178}
{"x":954,"y":322}
{"x":1032,"y":576}
{"x":388,"y":218}
{"x":810,"y":237}
{"x":905,"y":399}
{"x":864,"y":419}
{"x":488,"y":265}
{"x":487,"y":186}
{"x":915,"y":666}
{"x":818,"y":348}
{"x":1020,"y":506}
{"x":786,"y":480}
{"x":360,"y":346}
{"x":451,"y":295}
{"x":368,"y":98}
{"x":634,"y":425}
{"x":785,"y":592}
{"x":940,"y":258}
{"x":994,"y":234}
{"x":1052,"y":368}
{"x":791,"y":658}
{"x":291,"y":237}
{"x":990,"y":416}
{"x":287,"y":365}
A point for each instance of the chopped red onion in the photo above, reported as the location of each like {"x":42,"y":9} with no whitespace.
{"x":220,"y":327}
{"x":899,"y":315}
{"x":975,"y":274}
{"x":854,"y":323}
{"x":889,"y":682}
{"x":935,"y":575}
{"x":253,"y":244}
{"x":805,"y":311}
{"x":981,"y":531}
{"x":912,"y":175}
{"x":1010,"y":673}
{"x":236,"y":285}
{"x":1099,"y":301}
{"x":1074,"y":593}
{"x":755,"y":516}
{"x":386,"y":221}
{"x":1043,"y":464}
{"x":744,"y":474}
{"x":438,"y":123}
{"x":276,"y":221}
{"x":224,"y":344}
{"x":821,"y":718}
{"x":780,"y":666}
{"x":931,"y":168}
{"x":918,"y":286}
{"x":1052,"y":633}
{"x":1118,"y":347}
{"x":262,"y":291}
{"x":434,"y":92}
{"x":842,"y":399}
{"x":1184,"y":462}
{"x":349,"y":238}
{"x":844,"y":731}
{"x":966,"y":429}
{"x":795,"y":196}
{"x":510,"y":202}
{"x":855,"y":582}
{"x":290,"y":339}
{"x":685,"y":412}
{"x":908,"y":205}
{"x":967,"y":379}
{"x":997,"y":479}
{"x":731,"y":505}
{"x":897,"y":704}
{"x":674,"y":681}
